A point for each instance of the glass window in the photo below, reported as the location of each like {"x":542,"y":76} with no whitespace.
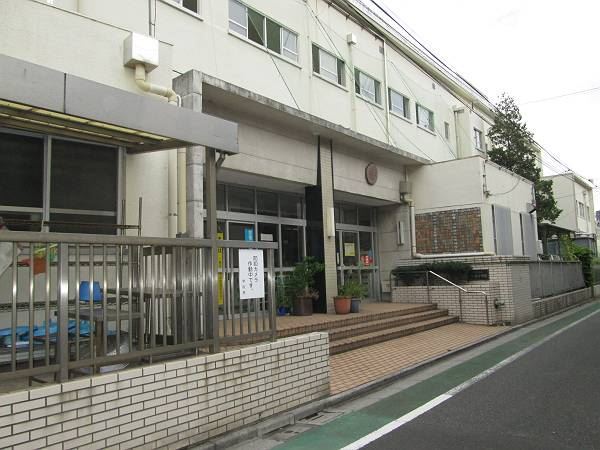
{"x":240,"y":232}
{"x":192,"y":5}
{"x":367,"y":86}
{"x":327,"y":65}
{"x":266,"y":203}
{"x":22,"y":221}
{"x":425,"y":118}
{"x":289,"y":44}
{"x":221,"y":205}
{"x":241,"y":199}
{"x":350,"y":248}
{"x":84,"y":176}
{"x":478,"y":139}
{"x":364,"y":216}
{"x":349,"y":215}
{"x":21,"y":171}
{"x":273,"y":36}
{"x":82,"y":223}
{"x":268,"y":232}
{"x":367,"y":255}
{"x":291,"y":206}
{"x":256,"y":27}
{"x":447,"y":130}
{"x":238,"y":20}
{"x":292,"y":244}
{"x":399,"y":104}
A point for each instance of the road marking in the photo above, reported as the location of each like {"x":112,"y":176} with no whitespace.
{"x":388,"y":428}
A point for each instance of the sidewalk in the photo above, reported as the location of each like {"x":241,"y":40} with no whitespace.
{"x":364,"y":365}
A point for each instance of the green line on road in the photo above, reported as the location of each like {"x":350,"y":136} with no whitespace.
{"x":353,"y":426}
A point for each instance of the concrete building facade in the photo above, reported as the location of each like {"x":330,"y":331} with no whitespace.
{"x":337,"y":137}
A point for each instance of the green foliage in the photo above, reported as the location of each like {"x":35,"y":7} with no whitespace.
{"x":513,"y":148}
{"x":573,"y":252}
{"x":282,"y":291}
{"x":353,"y":288}
{"x":586,"y":256}
{"x":455,"y":271}
{"x":302,"y":279}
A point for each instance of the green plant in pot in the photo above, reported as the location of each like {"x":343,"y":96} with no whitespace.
{"x":356,"y":290}
{"x":282,"y":296}
{"x":301,"y":282}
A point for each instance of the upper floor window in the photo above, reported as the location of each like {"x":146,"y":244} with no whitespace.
{"x":447,"y":130}
{"x":192,"y":5}
{"x":328,"y":66}
{"x":262,"y":30}
{"x":581,"y":207}
{"x":399,"y":104}
{"x":478,"y":139}
{"x":367,"y":86}
{"x":425,"y":118}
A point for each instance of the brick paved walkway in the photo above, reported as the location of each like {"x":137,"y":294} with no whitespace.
{"x":363,"y":365}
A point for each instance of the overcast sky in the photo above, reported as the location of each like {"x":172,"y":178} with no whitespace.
{"x":531,"y":49}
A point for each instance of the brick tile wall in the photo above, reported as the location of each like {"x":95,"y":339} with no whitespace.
{"x":169,"y":405}
{"x":450,"y":231}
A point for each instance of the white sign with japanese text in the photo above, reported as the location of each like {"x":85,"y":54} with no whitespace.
{"x":252,"y":274}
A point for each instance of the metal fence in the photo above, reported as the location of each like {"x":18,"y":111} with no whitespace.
{"x":550,"y":278}
{"x":95,"y":303}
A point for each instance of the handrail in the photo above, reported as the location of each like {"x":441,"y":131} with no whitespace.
{"x":466,"y":291}
{"x":97,"y":239}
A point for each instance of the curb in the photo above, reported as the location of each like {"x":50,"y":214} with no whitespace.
{"x":259,"y":429}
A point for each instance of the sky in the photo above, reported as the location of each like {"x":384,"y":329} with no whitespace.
{"x":532,"y":50}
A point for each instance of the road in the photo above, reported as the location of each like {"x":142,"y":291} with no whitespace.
{"x":547,"y":399}
{"x":538,"y":388}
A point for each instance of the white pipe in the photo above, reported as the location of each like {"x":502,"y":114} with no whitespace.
{"x":173,"y":169}
{"x":181,"y":191}
{"x":413,"y":229}
{"x":163,"y":91}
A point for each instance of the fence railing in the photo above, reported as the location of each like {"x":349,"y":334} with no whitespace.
{"x":91,"y":303}
{"x":550,"y":278}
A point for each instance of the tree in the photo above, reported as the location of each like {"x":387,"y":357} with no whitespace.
{"x":513,"y":148}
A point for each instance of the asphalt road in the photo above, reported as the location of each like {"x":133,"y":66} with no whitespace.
{"x":547,"y":399}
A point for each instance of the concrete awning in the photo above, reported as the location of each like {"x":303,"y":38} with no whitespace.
{"x":40,"y":99}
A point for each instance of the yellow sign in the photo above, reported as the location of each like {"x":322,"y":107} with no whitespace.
{"x":349,"y":249}
{"x":220,"y":236}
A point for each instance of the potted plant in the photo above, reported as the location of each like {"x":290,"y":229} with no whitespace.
{"x":301,"y":284}
{"x":281,"y":296}
{"x":354,"y":289}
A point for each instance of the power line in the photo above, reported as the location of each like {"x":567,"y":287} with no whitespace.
{"x":597,"y":88}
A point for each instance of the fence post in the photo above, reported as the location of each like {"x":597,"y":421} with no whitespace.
{"x":62,"y":348}
{"x":460,"y":305}
{"x":428,"y":287}
{"x":211,"y":267}
{"x":272,"y":305}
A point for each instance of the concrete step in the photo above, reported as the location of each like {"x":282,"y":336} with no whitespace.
{"x":372,"y":326}
{"x":363,"y":340}
{"x":354,"y":319}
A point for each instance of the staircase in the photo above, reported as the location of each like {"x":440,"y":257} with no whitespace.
{"x":359,"y":331}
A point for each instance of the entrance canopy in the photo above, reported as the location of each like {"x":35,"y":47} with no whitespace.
{"x":36,"y":98}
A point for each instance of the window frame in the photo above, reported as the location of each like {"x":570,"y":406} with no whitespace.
{"x":265,"y":21}
{"x":447,"y":130}
{"x":431,"y":114}
{"x":179,"y":5}
{"x":405,"y":104}
{"x":340,"y":78}
{"x":478,"y":136}
{"x":358,"y":74}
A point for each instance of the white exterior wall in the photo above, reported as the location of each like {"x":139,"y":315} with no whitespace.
{"x":567,"y":192}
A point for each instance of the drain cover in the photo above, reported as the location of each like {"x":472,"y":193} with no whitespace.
{"x":321,"y":418}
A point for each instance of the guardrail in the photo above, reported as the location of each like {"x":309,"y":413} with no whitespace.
{"x":95,"y":303}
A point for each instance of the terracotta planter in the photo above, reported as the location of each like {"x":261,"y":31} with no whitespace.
{"x":302,"y":306}
{"x":342,"y":305}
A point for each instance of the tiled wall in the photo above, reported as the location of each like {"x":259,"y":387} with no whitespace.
{"x":552,"y":304}
{"x":450,"y":231}
{"x":173,"y":404}
{"x":508,"y":285}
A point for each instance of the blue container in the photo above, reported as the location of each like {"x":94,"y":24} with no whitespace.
{"x":84,"y":291}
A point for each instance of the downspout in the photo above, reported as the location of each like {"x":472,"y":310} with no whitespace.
{"x":176,"y":192}
{"x":385,"y":93}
